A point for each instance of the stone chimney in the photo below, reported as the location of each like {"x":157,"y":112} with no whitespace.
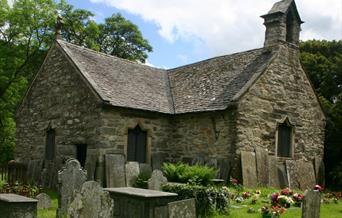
{"x":282,"y":23}
{"x":58,"y":27}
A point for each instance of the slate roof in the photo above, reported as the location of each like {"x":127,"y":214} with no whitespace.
{"x":203,"y":86}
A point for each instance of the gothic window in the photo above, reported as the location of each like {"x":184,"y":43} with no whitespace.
{"x":81,"y":153}
{"x":284,"y":142}
{"x":136,"y":148}
{"x":50,"y":145}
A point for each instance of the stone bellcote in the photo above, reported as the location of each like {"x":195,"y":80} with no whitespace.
{"x":282,"y":23}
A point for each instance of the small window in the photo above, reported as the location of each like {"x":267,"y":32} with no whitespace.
{"x":136,"y":148}
{"x":81,"y":153}
{"x":284,"y":144}
{"x":50,"y":145}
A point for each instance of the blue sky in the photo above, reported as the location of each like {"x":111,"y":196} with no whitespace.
{"x":186,"y":31}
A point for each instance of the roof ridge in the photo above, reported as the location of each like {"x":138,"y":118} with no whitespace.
{"x":212,"y":58}
{"x":107,"y":55}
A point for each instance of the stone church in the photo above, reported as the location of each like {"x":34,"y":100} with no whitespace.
{"x":254,"y":114}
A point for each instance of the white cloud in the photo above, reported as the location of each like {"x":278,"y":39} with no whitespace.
{"x":229,"y":25}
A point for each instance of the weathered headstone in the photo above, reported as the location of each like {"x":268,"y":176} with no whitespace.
{"x":132,"y":173}
{"x":311,"y":204}
{"x":293,"y":174}
{"x":145,"y":169}
{"x":261,"y":156}
{"x":273,"y":171}
{"x":185,"y":209}
{"x":115,"y":170}
{"x":44,"y":201}
{"x":34,"y":170}
{"x":224,"y":166}
{"x":90,"y":166}
{"x":17,"y":206}
{"x":319,"y":170}
{"x":157,"y":180}
{"x":249,"y":175}
{"x":70,"y":179}
{"x":49,"y":174}
{"x":306,"y":174}
{"x":282,"y":175}
{"x":157,"y":160}
{"x":91,"y":202}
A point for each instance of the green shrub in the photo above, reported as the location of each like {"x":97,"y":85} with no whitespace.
{"x":24,"y":190}
{"x":184,"y":173}
{"x":208,"y":199}
{"x":141,"y":181}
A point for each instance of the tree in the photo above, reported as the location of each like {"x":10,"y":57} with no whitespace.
{"x":323,"y":62}
{"x":27,"y":31}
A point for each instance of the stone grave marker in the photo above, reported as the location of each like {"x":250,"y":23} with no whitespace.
{"x":157,"y":180}
{"x":311,"y":204}
{"x":307,"y":178}
{"x":157,"y":160}
{"x":273,"y":171}
{"x":293,"y":174}
{"x":282,"y":175}
{"x":44,"y":201}
{"x":145,"y":169}
{"x":319,"y":170}
{"x":70,"y":179}
{"x":115,"y":170}
{"x":34,"y":170}
{"x":249,"y":175}
{"x":91,"y":202}
{"x":49,"y":174}
{"x":90,"y":166}
{"x":185,"y":209}
{"x":224,"y":166}
{"x":132,"y":173}
{"x":261,"y":156}
{"x":17,"y":206}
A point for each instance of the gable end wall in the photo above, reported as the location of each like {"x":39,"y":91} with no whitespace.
{"x":283,"y":90}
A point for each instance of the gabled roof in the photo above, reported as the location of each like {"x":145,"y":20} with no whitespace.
{"x":283,"y":7}
{"x":208,"y":85}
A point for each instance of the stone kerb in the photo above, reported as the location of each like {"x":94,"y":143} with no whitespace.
{"x":70,"y":179}
{"x":91,"y":202}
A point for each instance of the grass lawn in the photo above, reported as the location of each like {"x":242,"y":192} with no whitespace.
{"x":49,"y":213}
{"x":240,"y":210}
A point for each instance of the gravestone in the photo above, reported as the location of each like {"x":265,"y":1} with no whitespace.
{"x":49,"y":174}
{"x":44,"y":201}
{"x":293,"y":174}
{"x":70,"y":179}
{"x":224,"y":166}
{"x":90,"y":166}
{"x":34,"y":170}
{"x":319,"y":170}
{"x":282,"y":175}
{"x":306,"y":174}
{"x":157,"y":180}
{"x":91,"y":202}
{"x":311,"y":204}
{"x":132,"y":173}
{"x":184,"y":209}
{"x":145,"y":169}
{"x":115,"y":170}
{"x":249,"y":176}
{"x":261,"y":156}
{"x":157,"y":160}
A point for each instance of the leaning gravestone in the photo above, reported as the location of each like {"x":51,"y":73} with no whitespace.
{"x":307,"y":174}
{"x":273,"y":171}
{"x":261,"y":157}
{"x":44,"y":201}
{"x":293,"y":174}
{"x":319,"y":170}
{"x":132,"y":173}
{"x":225,"y":167}
{"x":70,"y":179}
{"x":157,"y":180}
{"x":184,"y":209}
{"x":115,"y":170}
{"x":90,"y":166}
{"x":249,"y":175}
{"x":311,"y":204}
{"x":91,"y":202}
{"x":145,"y":169}
{"x":34,"y":169}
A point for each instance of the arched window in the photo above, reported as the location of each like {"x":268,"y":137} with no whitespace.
{"x":284,"y":139}
{"x":136,"y":148}
{"x":50,"y":144}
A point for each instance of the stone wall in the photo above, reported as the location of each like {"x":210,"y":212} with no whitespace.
{"x":58,"y":98}
{"x":282,"y":91}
